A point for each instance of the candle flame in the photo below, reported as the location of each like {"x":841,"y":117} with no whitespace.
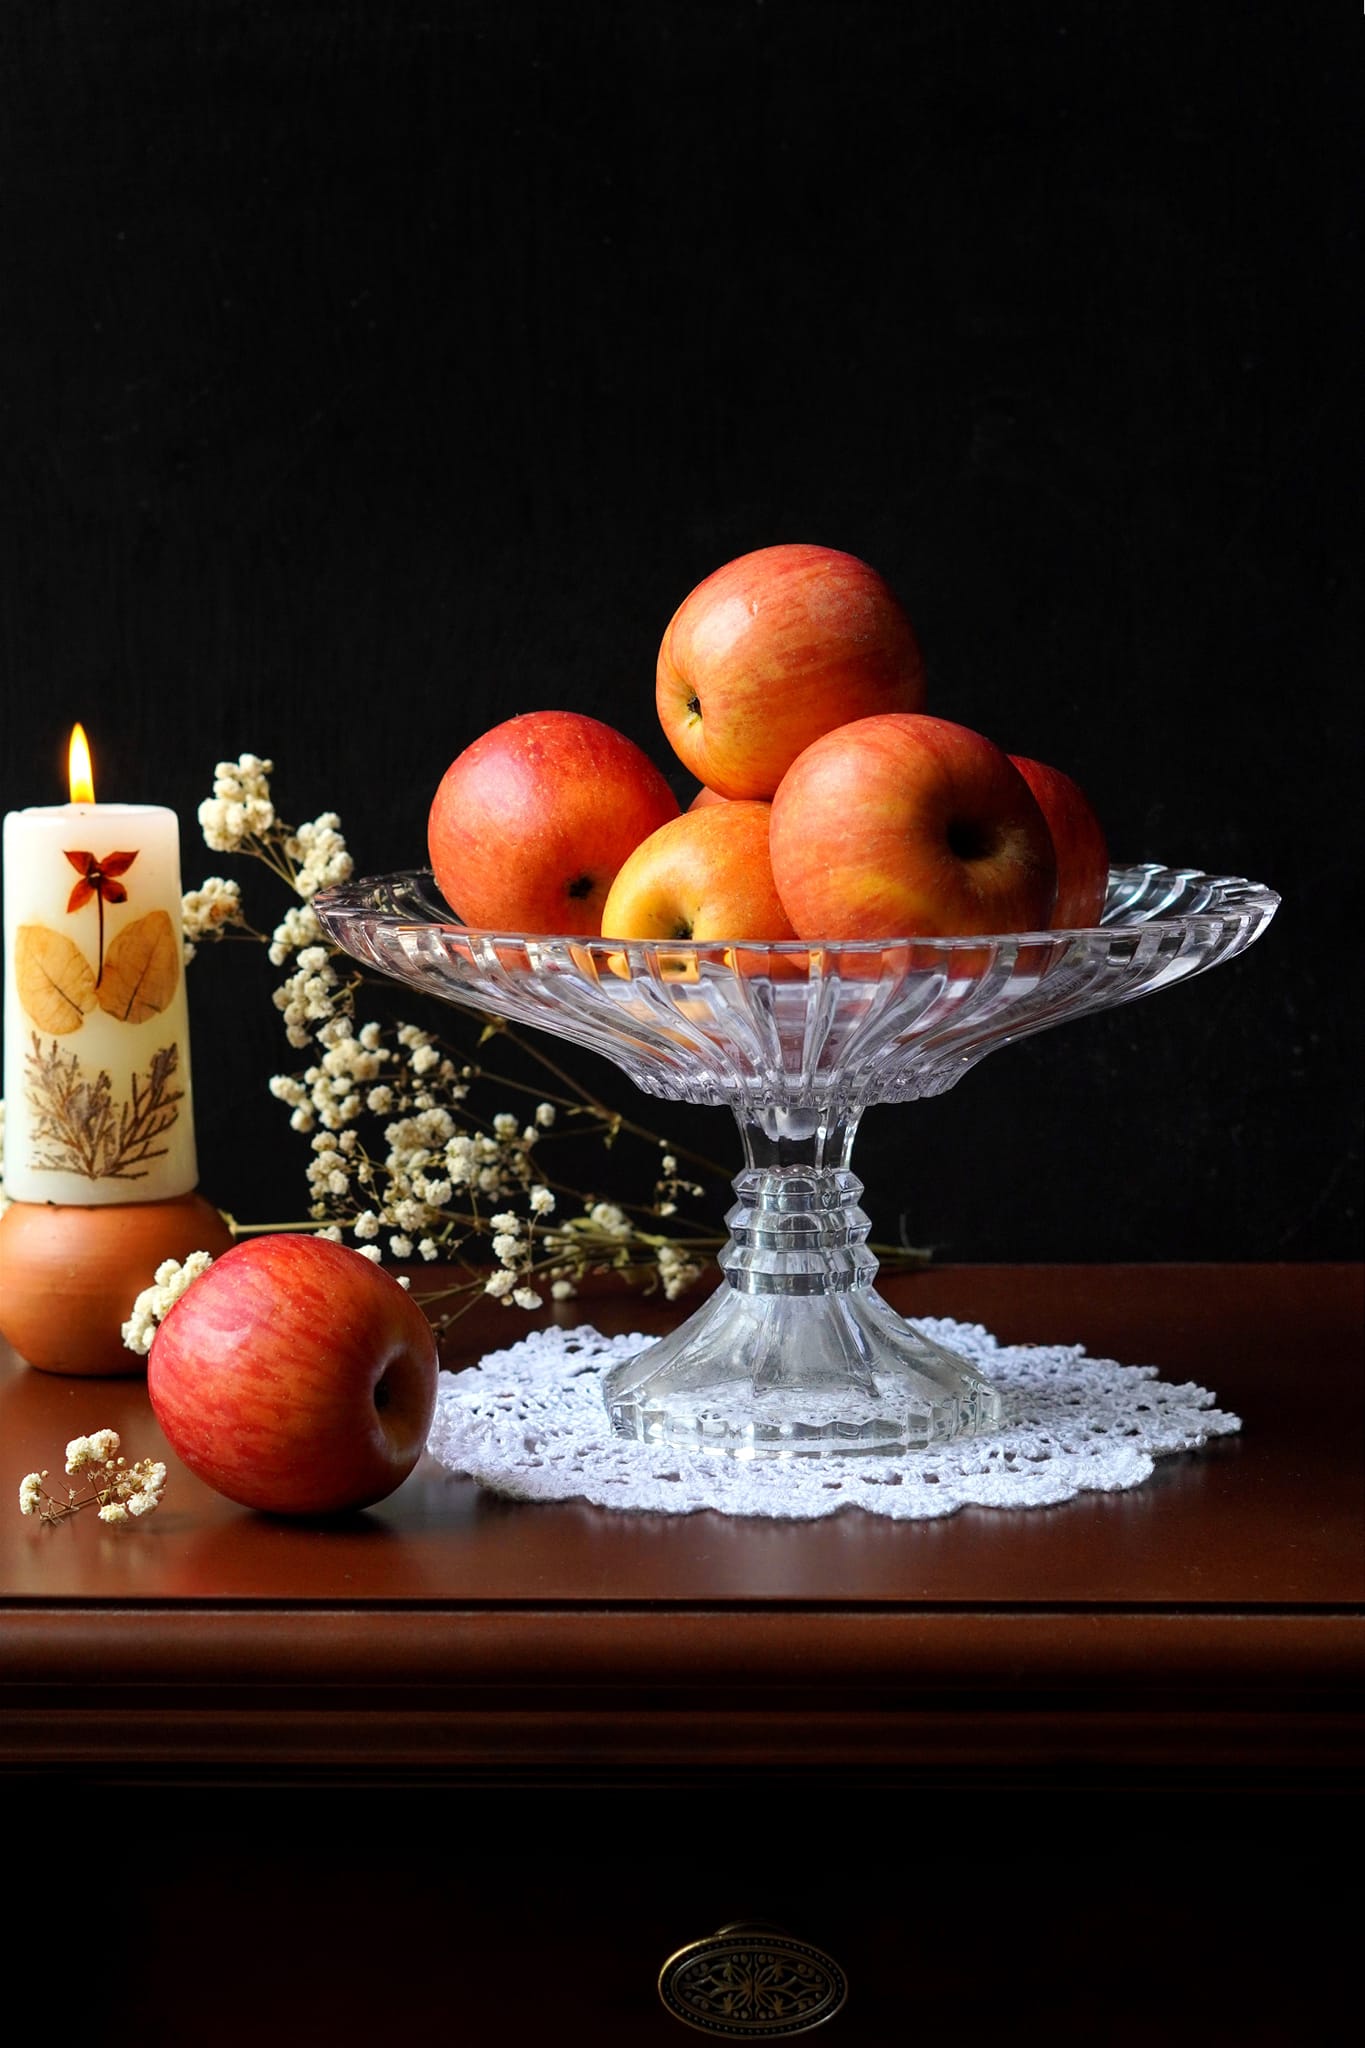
{"x":79,"y":771}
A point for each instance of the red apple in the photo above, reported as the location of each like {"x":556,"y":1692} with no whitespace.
{"x":295,"y":1376}
{"x":705,"y":875}
{"x":774,"y":649}
{"x":907,"y":824}
{"x":531,"y":822}
{"x":1078,"y":841}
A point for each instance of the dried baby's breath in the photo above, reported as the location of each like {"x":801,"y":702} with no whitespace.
{"x":154,"y":1303}
{"x":409,"y":1160}
{"x":117,"y":1490}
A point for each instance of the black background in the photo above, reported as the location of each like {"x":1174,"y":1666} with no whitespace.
{"x":371,"y":372}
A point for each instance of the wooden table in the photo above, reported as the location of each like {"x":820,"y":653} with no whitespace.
{"x":717,"y":1717}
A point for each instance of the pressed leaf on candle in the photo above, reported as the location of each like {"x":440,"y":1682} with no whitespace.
{"x":80,"y":1126}
{"x":141,"y":969}
{"x":55,"y":980}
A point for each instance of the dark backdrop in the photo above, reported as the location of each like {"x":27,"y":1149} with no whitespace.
{"x":374,"y":370}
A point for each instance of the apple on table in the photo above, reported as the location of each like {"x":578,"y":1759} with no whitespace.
{"x":530,"y":823}
{"x":773,"y":649}
{"x":906,"y":824}
{"x":295,"y":1376}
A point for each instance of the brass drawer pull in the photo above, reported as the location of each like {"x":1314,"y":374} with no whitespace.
{"x":752,"y":1982}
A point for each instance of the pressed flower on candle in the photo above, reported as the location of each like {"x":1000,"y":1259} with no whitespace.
{"x":97,"y":1086}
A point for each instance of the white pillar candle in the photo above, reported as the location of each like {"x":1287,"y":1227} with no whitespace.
{"x":98,"y":1106}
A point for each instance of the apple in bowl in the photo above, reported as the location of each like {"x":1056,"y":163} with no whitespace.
{"x":773,"y":649}
{"x":530,"y":823}
{"x":705,"y":876}
{"x":295,"y":1376}
{"x":1078,"y":840}
{"x":905,"y":824}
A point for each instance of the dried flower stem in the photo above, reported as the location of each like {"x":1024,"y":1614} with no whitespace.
{"x":590,"y":1103}
{"x":120,"y":1491}
{"x":403,"y":1165}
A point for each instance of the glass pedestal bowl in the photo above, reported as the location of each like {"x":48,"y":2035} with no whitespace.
{"x":797,"y":1351}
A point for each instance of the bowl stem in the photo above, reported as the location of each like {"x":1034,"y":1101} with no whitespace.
{"x":796,"y":1351}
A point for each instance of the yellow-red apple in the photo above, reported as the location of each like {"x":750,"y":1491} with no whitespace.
{"x":1078,"y":840}
{"x":909,"y":825}
{"x":705,"y":875}
{"x":705,"y":796}
{"x":772,"y":650}
{"x":531,"y":822}
{"x":295,"y":1376}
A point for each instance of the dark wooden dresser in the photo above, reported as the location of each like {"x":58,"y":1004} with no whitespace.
{"x":464,"y":1769}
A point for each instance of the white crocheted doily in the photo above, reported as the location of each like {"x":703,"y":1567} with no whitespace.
{"x":530,"y":1422}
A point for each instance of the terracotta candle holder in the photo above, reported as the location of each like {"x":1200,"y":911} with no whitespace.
{"x":69,"y":1275}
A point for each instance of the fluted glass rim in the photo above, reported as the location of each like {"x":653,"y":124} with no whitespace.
{"x":1226,"y":896}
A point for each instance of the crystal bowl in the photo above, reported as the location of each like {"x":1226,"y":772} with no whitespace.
{"x":798,"y":1352}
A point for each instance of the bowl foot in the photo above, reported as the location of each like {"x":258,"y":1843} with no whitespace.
{"x":762,"y":1375}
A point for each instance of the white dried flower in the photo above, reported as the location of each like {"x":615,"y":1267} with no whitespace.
{"x":155,"y":1303}
{"x":121,"y":1492}
{"x":207,"y":910}
{"x":98,"y":1449}
{"x":676,"y":1271}
{"x":240,"y":808}
{"x":320,"y":852}
{"x":298,"y":928}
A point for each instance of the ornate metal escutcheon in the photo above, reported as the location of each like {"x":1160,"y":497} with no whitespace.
{"x":751,"y":1982}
